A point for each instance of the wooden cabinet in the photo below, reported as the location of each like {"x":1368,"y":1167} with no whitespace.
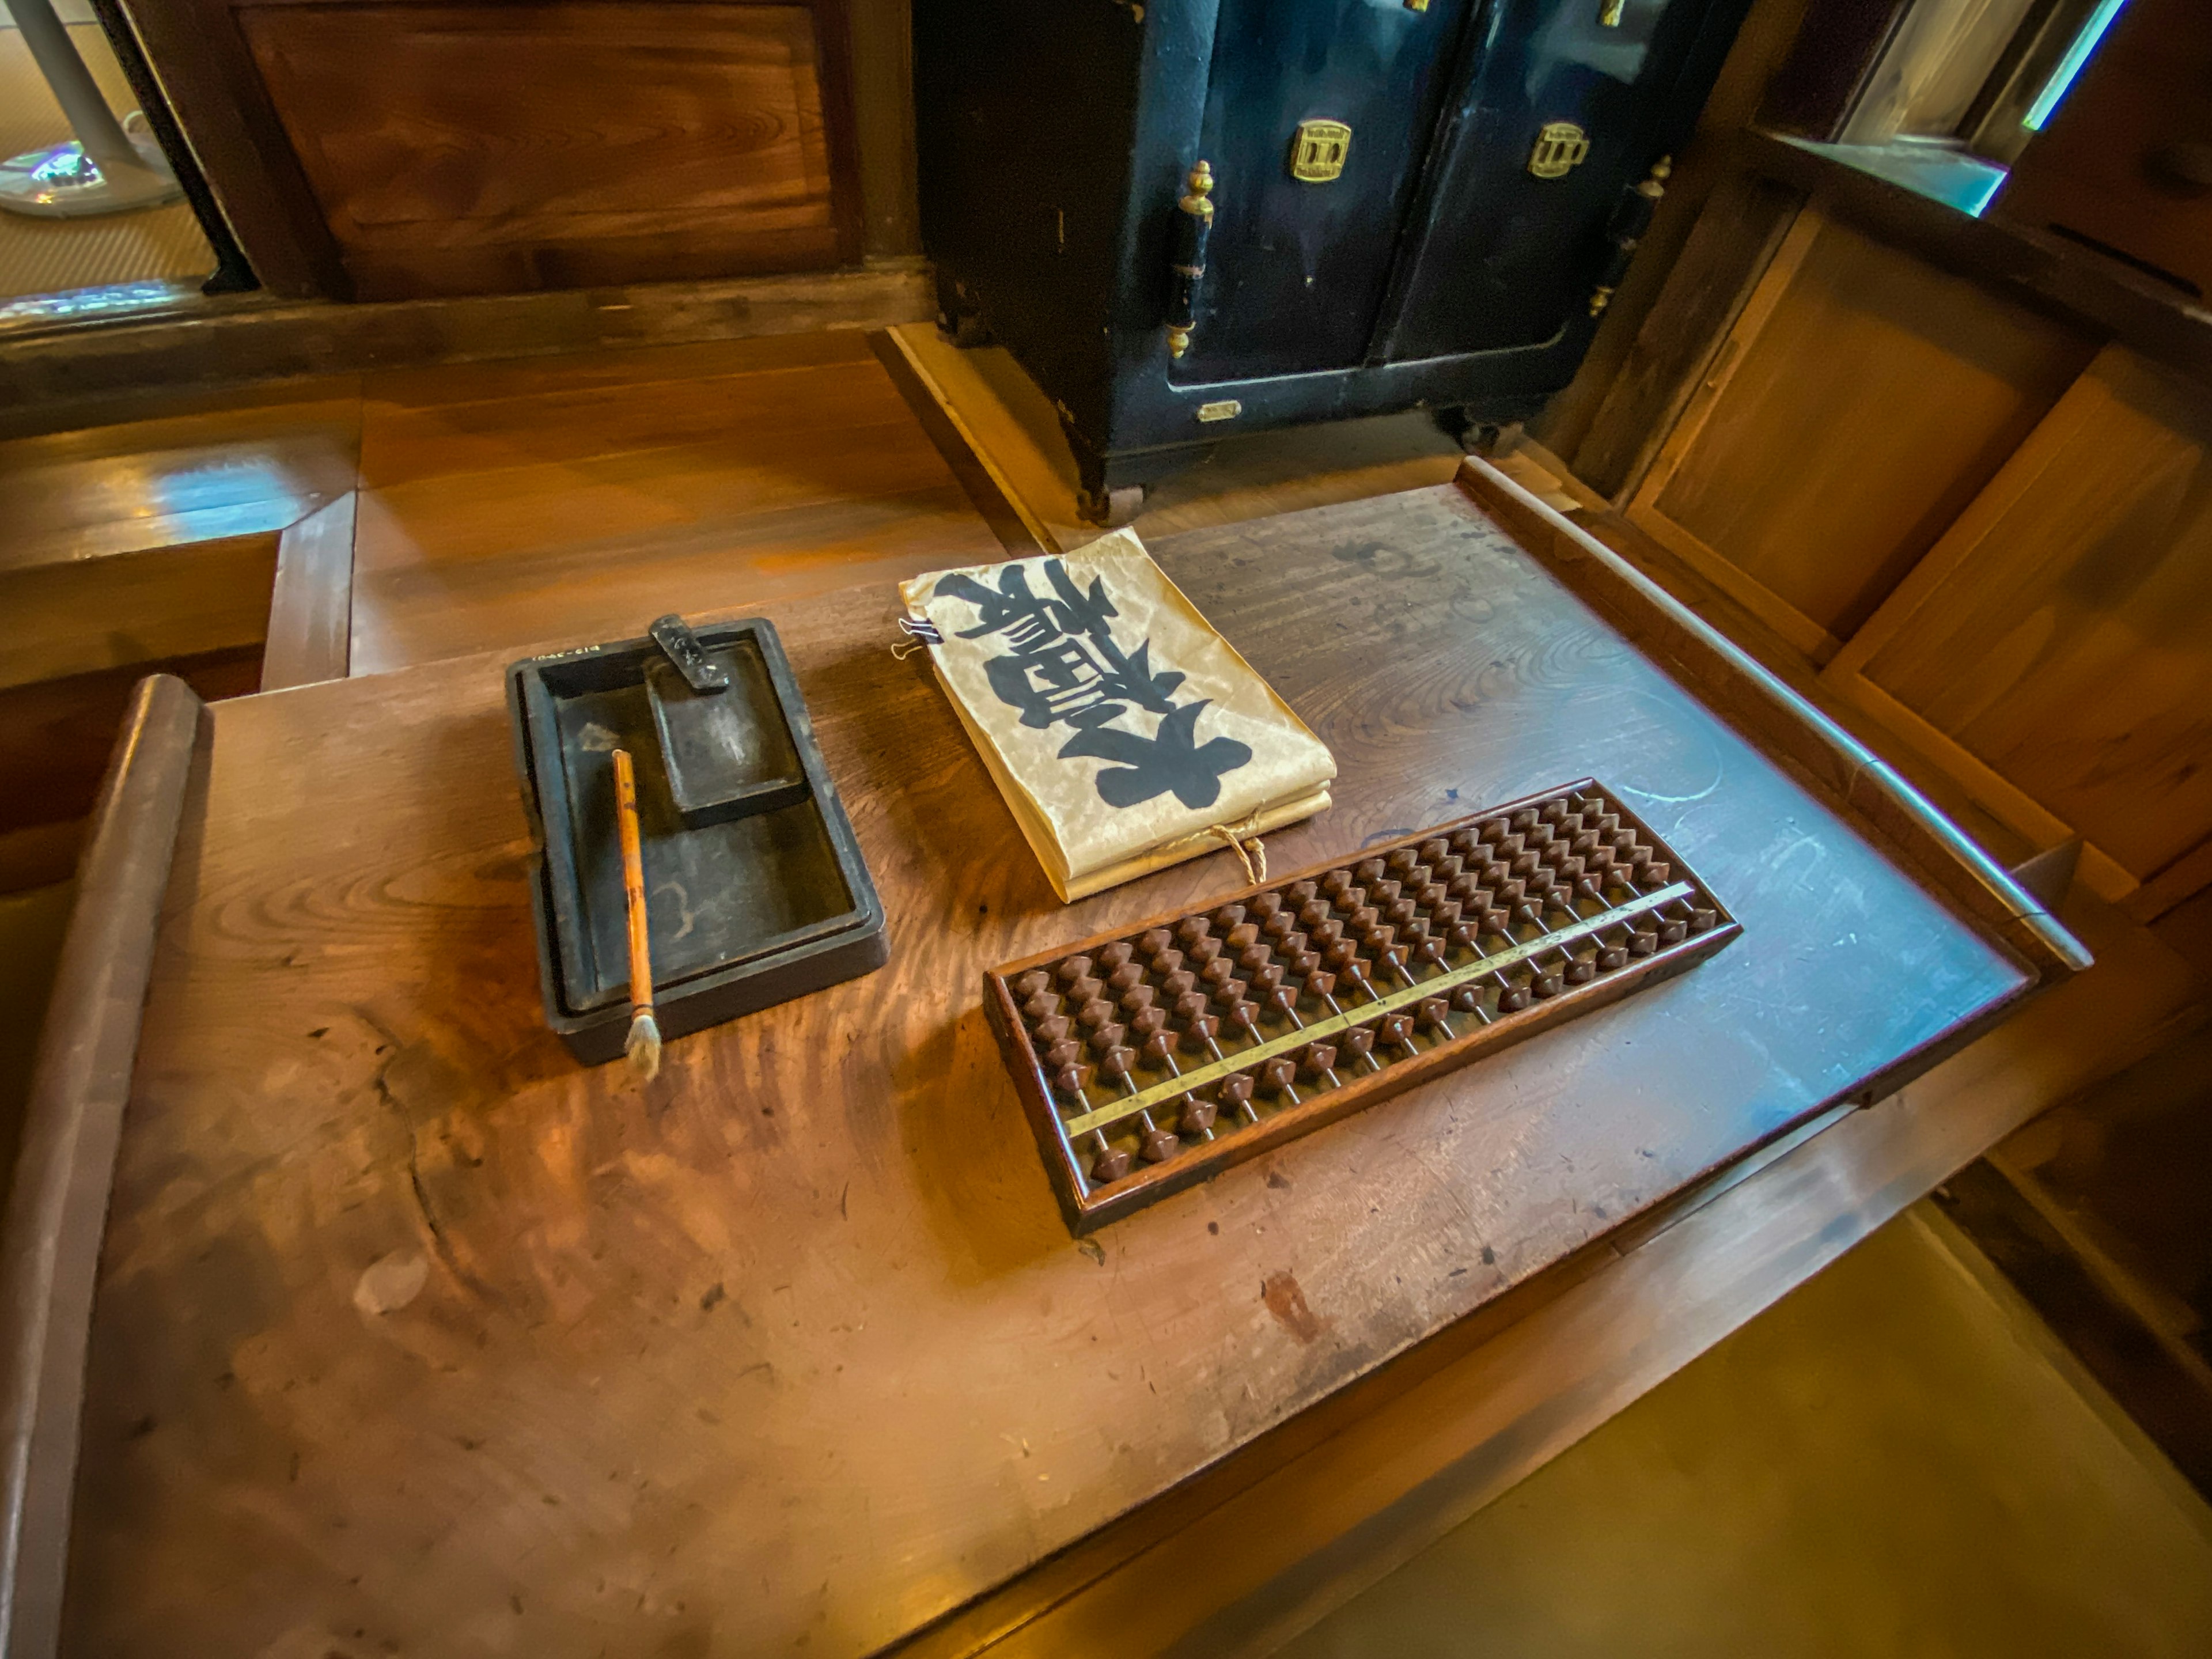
{"x":395,"y":150}
{"x":1409,"y":203}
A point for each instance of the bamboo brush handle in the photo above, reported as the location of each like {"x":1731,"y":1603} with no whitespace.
{"x":633,"y":858}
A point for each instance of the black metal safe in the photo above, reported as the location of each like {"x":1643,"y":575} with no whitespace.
{"x":1190,"y":218}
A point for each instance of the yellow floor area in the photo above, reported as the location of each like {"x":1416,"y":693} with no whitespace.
{"x":52,"y":256}
{"x":1897,"y":1460}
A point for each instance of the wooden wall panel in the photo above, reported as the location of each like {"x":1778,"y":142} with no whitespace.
{"x":2061,"y":633}
{"x":1859,"y":403}
{"x":481,"y":149}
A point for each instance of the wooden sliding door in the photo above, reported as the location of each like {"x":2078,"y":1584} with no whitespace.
{"x":401,"y":150}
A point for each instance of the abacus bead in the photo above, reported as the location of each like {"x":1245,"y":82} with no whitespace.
{"x":1335,"y":882}
{"x":1553,"y":811}
{"x":1242,"y":936}
{"x":1096,"y":1012}
{"x":1233,"y":1091}
{"x":1302,"y":963}
{"x":1368,"y":870}
{"x":1190,"y":1005}
{"x":1284,"y":996}
{"x":1197,"y":1033}
{"x":1072,"y":1080}
{"x":1216,"y":971}
{"x":1701,"y":919}
{"x":1043,"y":1006}
{"x":1066,"y":1052}
{"x":1148,"y":1021}
{"x":1110,"y":1166}
{"x":1160,"y":1146}
{"x":1384,"y":894}
{"x":1390,"y":956}
{"x":1116,"y":1060}
{"x":1613,"y":956}
{"x":1316,"y":1058}
{"x":1432,"y":850}
{"x":1198,"y":1116}
{"x":1431,"y":1011}
{"x":1193,"y":929}
{"x":1432,"y":895}
{"x":1363,"y":919}
{"x":1319,"y":984}
{"x":1126,"y":978}
{"x":1158,"y":1045}
{"x":1495,"y":831}
{"x":1033,"y":981}
{"x":1313,"y":912}
{"x":1340,"y":955}
{"x":1672,"y":933}
{"x":1359,"y":1040}
{"x":1108,"y":1037}
{"x":1228,"y":916}
{"x":1276,"y":1075}
{"x":1401,"y":859}
{"x":1072,"y":969}
{"x":1525,"y":818}
{"x":1495,"y":919}
{"x":1245,"y":1016}
{"x":1154,"y":940}
{"x":1203,"y":950}
{"x":1084,"y":990}
{"x":1464,"y":933}
{"x":1052,"y":1029}
{"x":1166,"y":961}
{"x":1137,"y":997}
{"x":1351,"y":901}
{"x":1432,"y":950}
{"x":1256,"y":957}
{"x":1581,"y":971}
{"x":1643,"y":943}
{"x":1267,"y":978}
{"x":1281,"y":923}
{"x":1230,"y":993}
{"x":1465,"y":841}
{"x":1263,"y":905}
{"x":1402,"y":911}
{"x":1327,"y":933}
{"x":1545,"y":982}
{"x":1300,"y":892}
{"x":1512,"y":999}
{"x":1178,"y":984}
{"x":1467,"y":999}
{"x":1113,"y":956}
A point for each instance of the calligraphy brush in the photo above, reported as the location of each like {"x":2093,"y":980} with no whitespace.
{"x":643,"y":1046}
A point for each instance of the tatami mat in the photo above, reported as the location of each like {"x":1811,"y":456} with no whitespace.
{"x":1896,"y":1459}
{"x":51,"y":255}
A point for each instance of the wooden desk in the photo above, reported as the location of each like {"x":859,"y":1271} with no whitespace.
{"x":412,"y":1336}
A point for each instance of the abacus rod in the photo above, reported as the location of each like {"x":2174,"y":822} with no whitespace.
{"x":1343,"y":1020}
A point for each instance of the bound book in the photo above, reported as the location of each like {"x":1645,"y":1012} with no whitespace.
{"x":1125,"y":733}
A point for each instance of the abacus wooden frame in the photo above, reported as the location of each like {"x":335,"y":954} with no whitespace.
{"x":1087,"y":1209}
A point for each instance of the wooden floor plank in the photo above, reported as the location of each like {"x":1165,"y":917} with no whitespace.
{"x":573,"y":499}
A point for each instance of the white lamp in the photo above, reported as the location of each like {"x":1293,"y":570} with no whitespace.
{"x":104,"y":169}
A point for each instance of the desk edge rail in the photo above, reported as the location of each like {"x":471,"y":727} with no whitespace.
{"x":58,"y":1206}
{"x":1783,"y":724}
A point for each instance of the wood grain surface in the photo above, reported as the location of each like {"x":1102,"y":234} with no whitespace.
{"x":496,"y":148}
{"x":410,"y":1333}
{"x":1860,"y":402}
{"x":579,"y":497}
{"x":2061,"y":633}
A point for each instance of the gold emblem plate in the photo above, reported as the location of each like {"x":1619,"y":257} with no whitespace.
{"x":1560,"y":147}
{"x":1318,"y":150}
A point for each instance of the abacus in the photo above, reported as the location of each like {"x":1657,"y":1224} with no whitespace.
{"x":1153,"y":1057}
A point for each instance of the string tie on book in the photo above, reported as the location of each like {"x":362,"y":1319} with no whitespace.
{"x":1251,"y":852}
{"x":918,"y":631}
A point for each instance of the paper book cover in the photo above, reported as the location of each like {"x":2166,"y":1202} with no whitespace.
{"x":1124,"y":732}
